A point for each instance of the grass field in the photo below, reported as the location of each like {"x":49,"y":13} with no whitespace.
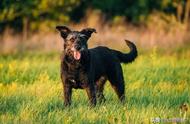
{"x":156,"y":85}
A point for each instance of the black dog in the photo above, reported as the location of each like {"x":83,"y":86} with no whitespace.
{"x":90,"y":68}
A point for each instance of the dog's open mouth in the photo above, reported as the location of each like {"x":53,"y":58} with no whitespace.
{"x":76,"y":54}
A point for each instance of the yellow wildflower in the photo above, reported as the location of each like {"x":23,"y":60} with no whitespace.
{"x":13,"y":86}
{"x":164,"y":86}
{"x":43,"y":77}
{"x":135,"y":85}
{"x":12,"y":67}
{"x":1,"y":65}
{"x":182,"y":85}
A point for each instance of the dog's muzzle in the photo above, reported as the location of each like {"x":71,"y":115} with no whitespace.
{"x":77,"y":49}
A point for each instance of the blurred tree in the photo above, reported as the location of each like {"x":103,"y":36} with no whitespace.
{"x":187,"y":12}
{"x":134,"y":11}
{"x":22,"y":15}
{"x":16,"y":13}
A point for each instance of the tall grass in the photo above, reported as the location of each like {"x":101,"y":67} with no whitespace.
{"x":156,"y":85}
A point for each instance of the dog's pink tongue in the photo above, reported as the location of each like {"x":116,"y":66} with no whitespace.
{"x":77,"y":55}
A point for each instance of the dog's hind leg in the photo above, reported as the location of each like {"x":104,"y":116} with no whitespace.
{"x":115,"y":76}
{"x":100,"y":88}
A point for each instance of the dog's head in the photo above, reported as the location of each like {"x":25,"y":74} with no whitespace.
{"x":75,"y":41}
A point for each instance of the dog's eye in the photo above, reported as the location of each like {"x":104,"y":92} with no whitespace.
{"x":72,"y":39}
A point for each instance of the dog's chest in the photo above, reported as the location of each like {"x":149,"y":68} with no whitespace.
{"x":76,"y":76}
{"x":79,"y":79}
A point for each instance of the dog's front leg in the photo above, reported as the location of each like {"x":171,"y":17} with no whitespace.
{"x":91,"y":95}
{"x":67,"y":94}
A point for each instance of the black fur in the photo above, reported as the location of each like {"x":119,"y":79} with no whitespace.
{"x":90,"y":68}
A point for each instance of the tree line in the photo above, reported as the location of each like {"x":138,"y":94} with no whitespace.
{"x":22,"y":15}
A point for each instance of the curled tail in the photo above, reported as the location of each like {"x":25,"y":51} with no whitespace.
{"x":128,"y":57}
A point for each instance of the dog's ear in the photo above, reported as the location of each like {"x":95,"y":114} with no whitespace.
{"x":88,"y":32}
{"x":64,"y":31}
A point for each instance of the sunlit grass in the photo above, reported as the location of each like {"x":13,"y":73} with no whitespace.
{"x":31,"y":91}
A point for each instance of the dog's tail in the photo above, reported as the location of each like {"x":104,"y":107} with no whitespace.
{"x":128,"y":57}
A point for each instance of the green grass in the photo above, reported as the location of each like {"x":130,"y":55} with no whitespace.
{"x":31,"y":91}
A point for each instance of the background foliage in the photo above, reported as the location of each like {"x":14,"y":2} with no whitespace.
{"x":29,"y":14}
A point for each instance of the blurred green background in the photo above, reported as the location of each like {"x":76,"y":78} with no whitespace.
{"x":30,"y":24}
